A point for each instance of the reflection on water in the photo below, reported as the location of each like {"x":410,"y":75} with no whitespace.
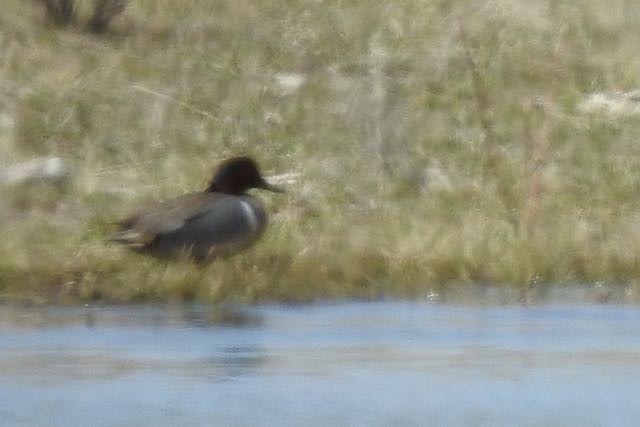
{"x":349,"y":364}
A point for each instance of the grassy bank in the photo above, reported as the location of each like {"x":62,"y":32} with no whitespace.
{"x":437,"y":143}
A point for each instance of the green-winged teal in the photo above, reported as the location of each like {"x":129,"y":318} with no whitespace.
{"x":219,"y":221}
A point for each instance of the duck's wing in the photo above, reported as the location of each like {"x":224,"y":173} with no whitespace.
{"x":228,"y":224}
{"x":204,"y":224}
{"x":163,"y":218}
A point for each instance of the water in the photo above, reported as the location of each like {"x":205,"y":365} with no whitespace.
{"x":379,"y":364}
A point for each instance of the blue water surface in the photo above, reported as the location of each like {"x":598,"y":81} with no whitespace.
{"x":354,"y":364}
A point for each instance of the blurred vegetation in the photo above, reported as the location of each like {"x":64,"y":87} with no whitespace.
{"x":439,"y":143}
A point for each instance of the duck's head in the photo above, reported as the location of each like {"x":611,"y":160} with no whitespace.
{"x":237,"y":175}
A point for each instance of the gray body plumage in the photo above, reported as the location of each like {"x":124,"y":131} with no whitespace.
{"x":201,"y":226}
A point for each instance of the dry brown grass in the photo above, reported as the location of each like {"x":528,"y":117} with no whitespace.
{"x":427,"y":159}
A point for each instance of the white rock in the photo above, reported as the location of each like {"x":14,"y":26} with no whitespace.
{"x":48,"y":169}
{"x":287,"y":178}
{"x":289,"y":83}
{"x":617,"y":104}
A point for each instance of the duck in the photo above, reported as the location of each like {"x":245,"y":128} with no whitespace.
{"x":218,"y":222}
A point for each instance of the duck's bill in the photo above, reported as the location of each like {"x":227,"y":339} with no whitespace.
{"x":270,"y":187}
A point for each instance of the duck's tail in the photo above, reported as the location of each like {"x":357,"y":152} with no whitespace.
{"x":127,"y":236}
